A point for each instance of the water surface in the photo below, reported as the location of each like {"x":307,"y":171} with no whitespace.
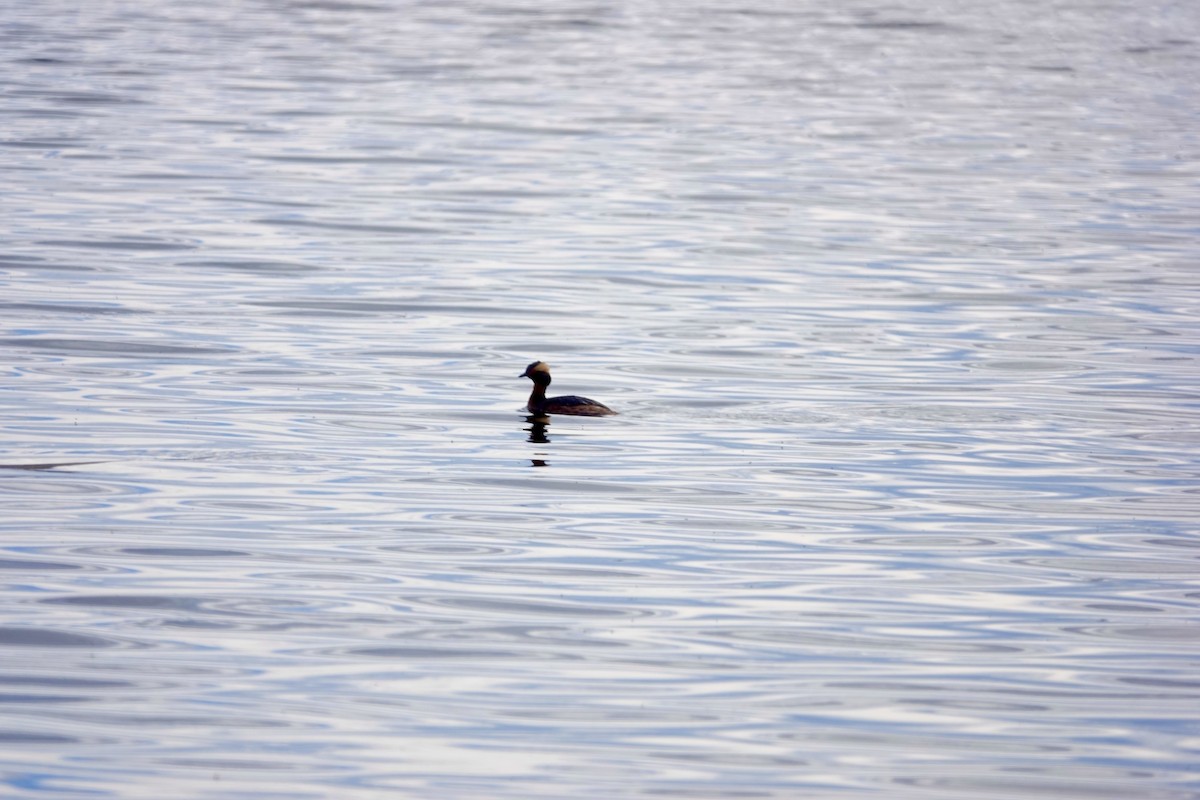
{"x":898,"y":305}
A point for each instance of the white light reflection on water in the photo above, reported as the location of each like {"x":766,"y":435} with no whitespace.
{"x":896,"y":303}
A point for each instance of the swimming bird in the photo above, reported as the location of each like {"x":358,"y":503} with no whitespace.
{"x":539,"y":373}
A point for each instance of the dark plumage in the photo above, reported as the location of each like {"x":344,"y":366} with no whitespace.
{"x":539,"y":373}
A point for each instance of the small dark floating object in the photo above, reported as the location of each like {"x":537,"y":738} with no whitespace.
{"x":539,"y":373}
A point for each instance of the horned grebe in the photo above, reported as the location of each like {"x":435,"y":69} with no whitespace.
{"x":539,"y":373}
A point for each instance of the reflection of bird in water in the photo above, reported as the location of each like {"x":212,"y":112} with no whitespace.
{"x":537,"y":435}
{"x":539,"y":373}
{"x":537,"y":429}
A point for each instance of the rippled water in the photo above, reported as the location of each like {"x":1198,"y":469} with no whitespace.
{"x":898,"y":303}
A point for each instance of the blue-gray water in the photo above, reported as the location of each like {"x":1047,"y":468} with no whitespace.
{"x":898,"y":302}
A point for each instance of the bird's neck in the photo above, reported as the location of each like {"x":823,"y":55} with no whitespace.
{"x":537,"y":398}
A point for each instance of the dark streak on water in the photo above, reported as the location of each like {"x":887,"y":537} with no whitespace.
{"x":898,"y":304}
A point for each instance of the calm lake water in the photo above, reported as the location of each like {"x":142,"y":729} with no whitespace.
{"x":898,"y":302}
